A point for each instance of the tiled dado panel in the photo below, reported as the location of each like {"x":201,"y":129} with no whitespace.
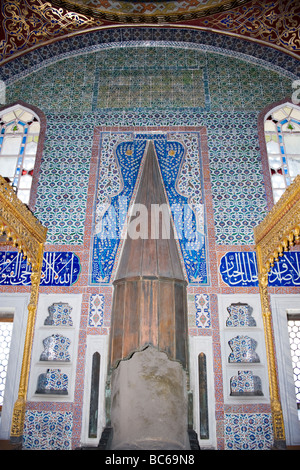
{"x":248,"y":431}
{"x":48,"y":430}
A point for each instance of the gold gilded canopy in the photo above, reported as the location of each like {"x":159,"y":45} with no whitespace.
{"x":277,"y":233}
{"x":20,"y":226}
{"x":280,"y":229}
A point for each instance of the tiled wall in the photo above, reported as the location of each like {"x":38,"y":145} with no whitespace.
{"x":143,"y":88}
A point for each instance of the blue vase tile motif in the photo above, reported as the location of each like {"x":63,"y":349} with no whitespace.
{"x":240,"y":315}
{"x":53,"y":382}
{"x":56,"y":348}
{"x":243,"y":349}
{"x":245,"y":384}
{"x":59,"y":315}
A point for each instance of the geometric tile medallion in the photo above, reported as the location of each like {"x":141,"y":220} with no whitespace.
{"x":243,"y":349}
{"x":96,"y":310}
{"x":47,"y":430}
{"x":253,"y":431}
{"x":202,"y":311}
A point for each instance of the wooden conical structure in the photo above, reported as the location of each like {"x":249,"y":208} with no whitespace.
{"x":150,"y":302}
{"x":148,"y":342}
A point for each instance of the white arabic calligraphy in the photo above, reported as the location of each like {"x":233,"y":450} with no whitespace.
{"x":286,"y":271}
{"x":240,"y":269}
{"x":58,"y":269}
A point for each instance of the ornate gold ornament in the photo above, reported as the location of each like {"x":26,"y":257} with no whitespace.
{"x":278,"y":232}
{"x":29,"y":24}
{"x":23,"y":231}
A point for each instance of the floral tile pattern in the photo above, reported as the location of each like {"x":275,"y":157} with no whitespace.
{"x":137,"y":77}
{"x":251,"y":431}
{"x":235,"y":167}
{"x":174,"y":37}
{"x":59,"y":315}
{"x":96,"y":310}
{"x":203,"y":319}
{"x":245,"y":383}
{"x":243,"y":349}
{"x":47,"y":430}
{"x":184,"y":195}
{"x":56,"y":348}
{"x":53,"y":382}
{"x":136,"y":87}
{"x":225,"y":90}
{"x":240,"y":315}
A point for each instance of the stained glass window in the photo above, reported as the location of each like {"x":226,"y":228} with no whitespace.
{"x":19,"y":135}
{"x":282,"y":134}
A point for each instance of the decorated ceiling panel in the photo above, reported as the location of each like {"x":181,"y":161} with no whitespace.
{"x":27,"y":25}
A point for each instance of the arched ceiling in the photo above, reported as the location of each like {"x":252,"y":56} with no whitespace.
{"x":136,"y":11}
{"x":27,"y":25}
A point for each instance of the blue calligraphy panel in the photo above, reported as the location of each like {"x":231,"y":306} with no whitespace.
{"x":239,"y":269}
{"x":58,"y":269}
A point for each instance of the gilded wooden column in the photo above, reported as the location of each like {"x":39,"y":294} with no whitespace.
{"x":20,"y":405}
{"x":277,"y":416}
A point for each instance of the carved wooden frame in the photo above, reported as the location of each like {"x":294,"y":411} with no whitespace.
{"x":23,"y":231}
{"x":277,"y":233}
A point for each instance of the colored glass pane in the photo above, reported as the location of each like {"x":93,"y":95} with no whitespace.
{"x":294,"y":166}
{"x":31,"y":148}
{"x":28,"y":163}
{"x":25,"y":181}
{"x":272,"y":147}
{"x":11,"y":145}
{"x":34,"y":128}
{"x":8,"y":166}
{"x":292,"y":143}
{"x":24,"y":195}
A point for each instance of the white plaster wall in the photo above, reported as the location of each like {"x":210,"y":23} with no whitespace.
{"x":41,"y":332}
{"x":255,"y":332}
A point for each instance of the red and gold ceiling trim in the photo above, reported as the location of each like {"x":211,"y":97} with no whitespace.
{"x":29,"y":24}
